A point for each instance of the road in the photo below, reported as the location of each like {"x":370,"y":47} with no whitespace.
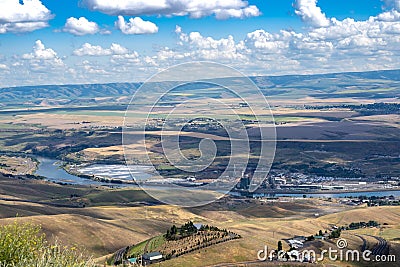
{"x":364,"y":245}
{"x":146,"y":246}
{"x":30,"y":166}
{"x":119,"y":256}
{"x":382,"y":248}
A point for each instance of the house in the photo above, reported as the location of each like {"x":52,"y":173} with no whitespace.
{"x":300,"y":238}
{"x":152,"y":257}
{"x":191,"y":179}
{"x":295,"y":244}
{"x":319,"y":237}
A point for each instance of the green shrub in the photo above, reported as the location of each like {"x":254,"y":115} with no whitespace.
{"x":23,"y":245}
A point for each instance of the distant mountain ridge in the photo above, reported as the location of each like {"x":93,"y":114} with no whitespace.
{"x":361,"y":84}
{"x":73,"y":91}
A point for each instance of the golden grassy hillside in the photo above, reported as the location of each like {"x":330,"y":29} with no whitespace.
{"x":108,"y":223}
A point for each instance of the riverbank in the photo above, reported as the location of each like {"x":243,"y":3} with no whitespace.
{"x":74,"y":170}
{"x":321,"y":194}
{"x":325,"y":191}
{"x":17,"y":164}
{"x":120,"y":176}
{"x":55,"y":171}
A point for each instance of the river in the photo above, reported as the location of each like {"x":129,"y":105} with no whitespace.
{"x":50,"y":168}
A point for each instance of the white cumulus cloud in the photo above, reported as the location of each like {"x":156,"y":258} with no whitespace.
{"x":222,"y":9}
{"x":343,"y":45}
{"x":395,"y":4}
{"x":91,"y":50}
{"x":311,"y":13}
{"x":80,"y":26}
{"x":392,"y":15}
{"x":117,"y":49}
{"x":22,"y":26}
{"x":135,"y":26}
{"x":250,"y":11}
{"x":331,"y":45}
{"x":199,"y":47}
{"x":40,"y":52}
{"x":96,"y":50}
{"x":27,"y":16}
{"x":42,"y":59}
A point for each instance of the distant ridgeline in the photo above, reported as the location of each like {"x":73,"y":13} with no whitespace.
{"x":66,"y":94}
{"x":373,"y":84}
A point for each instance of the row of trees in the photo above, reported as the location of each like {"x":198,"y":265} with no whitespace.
{"x":206,"y":243}
{"x":188,"y":229}
{"x":356,"y":225}
{"x":211,"y":228}
{"x":185,"y":230}
{"x":375,"y":108}
{"x":189,"y":238}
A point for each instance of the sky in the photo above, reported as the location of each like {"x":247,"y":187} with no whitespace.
{"x":103,"y":41}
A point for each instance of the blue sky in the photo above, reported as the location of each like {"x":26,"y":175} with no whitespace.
{"x":68,"y":41}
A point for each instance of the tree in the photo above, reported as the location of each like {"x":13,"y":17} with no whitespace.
{"x":335,"y":234}
{"x":174,"y":230}
{"x":279,"y":245}
{"x":168,"y":235}
{"x":320,"y":233}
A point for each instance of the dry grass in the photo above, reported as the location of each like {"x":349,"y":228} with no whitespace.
{"x":390,"y":215}
{"x":16,"y":165}
{"x":392,"y":120}
{"x":66,"y":121}
{"x":105,"y":229}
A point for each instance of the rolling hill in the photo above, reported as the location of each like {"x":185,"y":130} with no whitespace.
{"x":373,"y":84}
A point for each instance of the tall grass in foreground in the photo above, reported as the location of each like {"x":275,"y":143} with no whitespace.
{"x":23,"y":245}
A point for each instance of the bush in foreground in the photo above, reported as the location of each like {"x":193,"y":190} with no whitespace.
{"x":23,"y":245}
